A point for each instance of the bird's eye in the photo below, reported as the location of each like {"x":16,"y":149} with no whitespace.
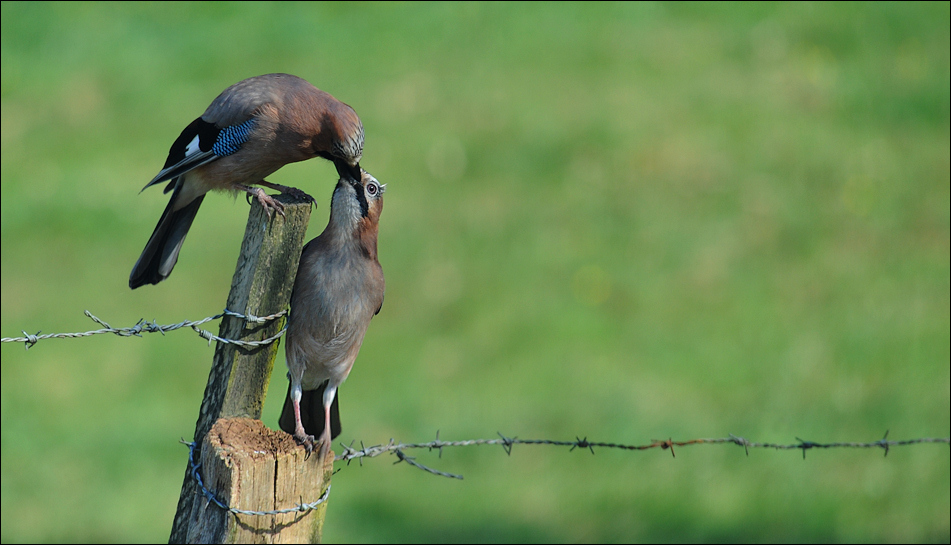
{"x":372,"y":189}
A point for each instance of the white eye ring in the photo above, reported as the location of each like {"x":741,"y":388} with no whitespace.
{"x":372,"y":188}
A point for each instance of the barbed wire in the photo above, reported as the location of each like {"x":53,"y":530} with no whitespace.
{"x":194,"y":466}
{"x":349,"y":453}
{"x":143,"y":326}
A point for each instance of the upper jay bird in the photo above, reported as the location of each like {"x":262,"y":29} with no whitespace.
{"x":338,"y":289}
{"x":252,"y":129}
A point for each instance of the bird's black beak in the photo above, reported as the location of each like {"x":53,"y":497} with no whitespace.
{"x":347,"y":171}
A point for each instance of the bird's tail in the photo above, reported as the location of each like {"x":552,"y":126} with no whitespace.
{"x":311,"y":412}
{"x":161,"y":253}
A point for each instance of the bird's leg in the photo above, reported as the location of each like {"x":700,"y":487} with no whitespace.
{"x":325,"y":436}
{"x":292,"y":191}
{"x":267,"y":201}
{"x":299,"y":434}
{"x":330,"y":392}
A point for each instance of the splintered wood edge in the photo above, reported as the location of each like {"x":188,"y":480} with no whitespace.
{"x":250,"y":437}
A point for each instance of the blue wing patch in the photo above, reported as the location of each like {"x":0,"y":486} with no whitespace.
{"x":231,"y":138}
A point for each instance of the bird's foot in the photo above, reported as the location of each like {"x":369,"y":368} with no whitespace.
{"x":325,"y":443}
{"x":325,"y":449}
{"x":269,"y":203}
{"x":292,"y":191}
{"x":306,"y":441}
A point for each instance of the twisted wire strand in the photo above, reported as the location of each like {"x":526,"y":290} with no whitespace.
{"x":195,"y":466}
{"x":143,"y":326}
{"x":349,"y":453}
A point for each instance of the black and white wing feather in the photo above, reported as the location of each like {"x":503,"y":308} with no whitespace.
{"x":199,"y":144}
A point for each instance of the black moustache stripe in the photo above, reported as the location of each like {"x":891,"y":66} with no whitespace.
{"x":361,"y":198}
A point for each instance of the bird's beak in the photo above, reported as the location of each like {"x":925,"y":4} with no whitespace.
{"x":348,"y":172}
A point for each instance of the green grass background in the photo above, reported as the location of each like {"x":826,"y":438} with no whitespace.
{"x":614,"y":221}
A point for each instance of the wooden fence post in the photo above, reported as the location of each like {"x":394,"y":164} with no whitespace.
{"x":262,"y":478}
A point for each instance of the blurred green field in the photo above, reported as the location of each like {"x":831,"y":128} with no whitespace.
{"x":614,"y":221}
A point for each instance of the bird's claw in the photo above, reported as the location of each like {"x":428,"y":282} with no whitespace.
{"x":306,"y":441}
{"x":269,"y":203}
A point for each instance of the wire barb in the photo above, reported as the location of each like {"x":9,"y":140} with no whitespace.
{"x":884,"y":444}
{"x":583,"y":443}
{"x":741,"y":441}
{"x":507,"y":443}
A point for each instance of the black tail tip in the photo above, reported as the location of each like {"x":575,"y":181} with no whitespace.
{"x":139,"y":278}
